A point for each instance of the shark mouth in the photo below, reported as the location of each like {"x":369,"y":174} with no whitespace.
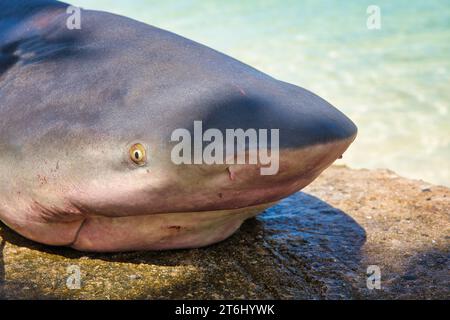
{"x":161,"y":231}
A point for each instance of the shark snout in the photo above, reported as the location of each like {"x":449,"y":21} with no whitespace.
{"x":298,"y":135}
{"x":302,"y":118}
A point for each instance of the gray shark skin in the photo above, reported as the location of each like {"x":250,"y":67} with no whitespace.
{"x":73,"y":102}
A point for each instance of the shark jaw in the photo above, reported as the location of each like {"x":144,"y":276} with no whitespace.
{"x":161,"y":231}
{"x":176,"y":230}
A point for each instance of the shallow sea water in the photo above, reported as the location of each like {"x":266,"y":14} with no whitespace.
{"x":393,"y":82}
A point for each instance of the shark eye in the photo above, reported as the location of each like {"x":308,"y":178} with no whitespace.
{"x":138,"y":154}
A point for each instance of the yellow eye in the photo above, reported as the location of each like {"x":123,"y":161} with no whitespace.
{"x":138,"y":154}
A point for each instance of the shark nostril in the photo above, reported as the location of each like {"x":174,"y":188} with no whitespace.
{"x":231,"y":174}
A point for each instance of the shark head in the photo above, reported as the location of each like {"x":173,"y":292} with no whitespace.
{"x":137,"y":138}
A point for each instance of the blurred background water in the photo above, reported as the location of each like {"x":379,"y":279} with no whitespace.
{"x":393,"y":82}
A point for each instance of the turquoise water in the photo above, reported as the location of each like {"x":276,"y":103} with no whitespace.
{"x":393,"y":82}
